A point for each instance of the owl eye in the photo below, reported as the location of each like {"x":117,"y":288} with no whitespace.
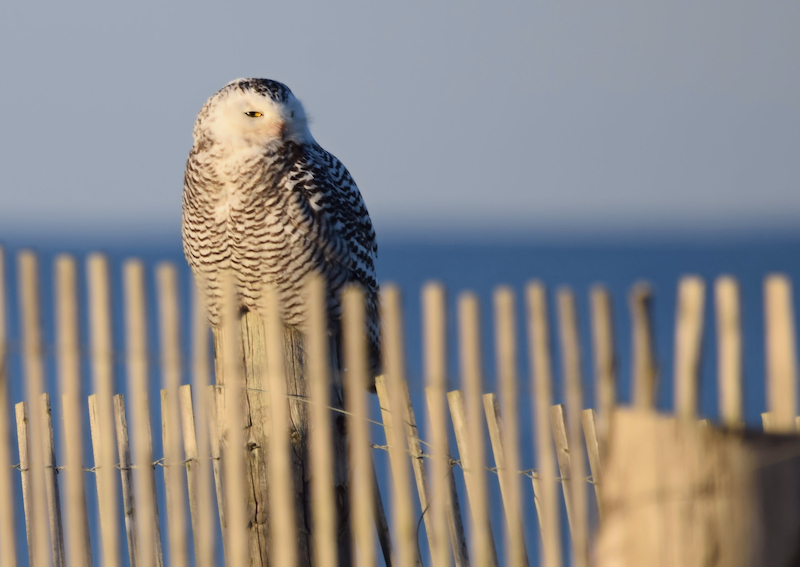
{"x":253,"y":114}
{"x":292,"y":114}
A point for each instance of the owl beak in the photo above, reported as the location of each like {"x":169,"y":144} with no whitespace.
{"x":283,"y":129}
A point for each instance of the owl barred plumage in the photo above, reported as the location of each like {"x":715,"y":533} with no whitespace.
{"x":263,"y":199}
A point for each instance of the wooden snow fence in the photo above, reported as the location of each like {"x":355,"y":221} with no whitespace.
{"x":642,"y":488}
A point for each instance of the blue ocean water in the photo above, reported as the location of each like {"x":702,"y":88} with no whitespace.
{"x":480,"y":268}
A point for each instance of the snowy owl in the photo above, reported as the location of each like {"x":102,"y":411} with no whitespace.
{"x":261,"y":198}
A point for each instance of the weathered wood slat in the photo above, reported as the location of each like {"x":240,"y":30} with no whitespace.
{"x":101,"y":355}
{"x":170,"y":341}
{"x":321,"y":436}
{"x":513,"y":519}
{"x":362,"y":491}
{"x":8,"y":544}
{"x":199,"y":472}
{"x":573,"y":393}
{"x":51,"y":484}
{"x":507,"y":434}
{"x":781,"y":355}
{"x":137,"y":363}
{"x":605,"y":363}
{"x":126,"y":478}
{"x":729,"y":350}
{"x":542,"y":393}
{"x":688,"y":345}
{"x":458,"y":414}
{"x":69,"y":374}
{"x":589,"y":419}
{"x":33,"y":365}
{"x":645,"y":369}
{"x":23,"y":443}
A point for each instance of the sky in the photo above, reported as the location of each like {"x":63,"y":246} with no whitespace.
{"x":462,"y":117}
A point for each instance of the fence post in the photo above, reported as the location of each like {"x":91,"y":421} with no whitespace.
{"x":250,"y":341}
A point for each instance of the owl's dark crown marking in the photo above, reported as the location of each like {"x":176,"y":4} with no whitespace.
{"x":265,"y":87}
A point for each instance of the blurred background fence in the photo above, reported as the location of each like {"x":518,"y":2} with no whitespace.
{"x":497,"y":478}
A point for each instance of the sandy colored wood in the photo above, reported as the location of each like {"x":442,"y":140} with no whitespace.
{"x":32,"y":349}
{"x":57,"y":547}
{"x":8,"y":544}
{"x":248,"y":349}
{"x":321,"y":423}
{"x":573,"y":393}
{"x":101,"y":356}
{"x":23,"y":435}
{"x":589,"y":420}
{"x":781,"y":355}
{"x":126,"y":476}
{"x":729,"y":350}
{"x":559,"y":428}
{"x":69,"y":381}
{"x":216,"y":411}
{"x":510,"y":507}
{"x":605,"y":363}
{"x":407,"y":549}
{"x":193,"y":470}
{"x":170,"y":347}
{"x":458,"y":414}
{"x":688,"y":344}
{"x":678,"y":494}
{"x":455,"y":521}
{"x":199,"y":472}
{"x":137,"y":364}
{"x":362,"y":496}
{"x":541,"y":379}
{"x":445,"y":510}
{"x":173,"y":487}
{"x":644,"y":366}
{"x":411,"y":437}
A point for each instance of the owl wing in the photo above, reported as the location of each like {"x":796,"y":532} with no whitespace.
{"x":330,"y":209}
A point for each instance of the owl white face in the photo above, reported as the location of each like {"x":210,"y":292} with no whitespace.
{"x":246,"y":118}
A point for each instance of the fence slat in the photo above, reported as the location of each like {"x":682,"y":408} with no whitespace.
{"x":508,"y":438}
{"x":362,"y":487}
{"x":126,"y":478}
{"x":193,"y":465}
{"x":69,"y":374}
{"x":645,"y":370}
{"x":412,"y":435}
{"x":496,"y":436}
{"x":605,"y":364}
{"x":23,"y":443}
{"x":480,"y":524}
{"x":282,"y":496}
{"x":8,"y":543}
{"x":238,"y":542}
{"x":445,"y":511}
{"x":216,"y":410}
{"x":321,"y":441}
{"x":781,"y":353}
{"x":394,"y":368}
{"x":33,"y":363}
{"x":170,"y":341}
{"x":589,"y":419}
{"x":688,"y":344}
{"x":558,"y":426}
{"x":201,"y":469}
{"x":149,"y":542}
{"x":573,"y":392}
{"x":51,"y":483}
{"x":102,"y":362}
{"x":542,"y":394}
{"x":729,"y":350}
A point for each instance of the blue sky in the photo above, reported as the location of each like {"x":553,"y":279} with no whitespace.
{"x":466,"y":117}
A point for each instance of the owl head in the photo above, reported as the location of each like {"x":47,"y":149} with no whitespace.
{"x":253,"y":112}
